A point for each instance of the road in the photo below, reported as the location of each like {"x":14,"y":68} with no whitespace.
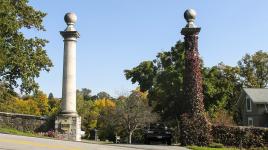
{"x":13,"y":142}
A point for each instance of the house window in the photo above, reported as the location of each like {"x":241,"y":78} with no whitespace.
{"x":248,"y":104}
{"x":266,"y":108}
{"x":250,"y":121}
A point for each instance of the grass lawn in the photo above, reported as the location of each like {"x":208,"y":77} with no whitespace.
{"x":208,"y":148}
{"x":16,"y":132}
{"x":30,"y":134}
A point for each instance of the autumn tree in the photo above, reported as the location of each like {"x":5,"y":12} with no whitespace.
{"x":21,"y":58}
{"x":21,"y":106}
{"x":106,"y":123}
{"x":95,"y":114}
{"x":35,"y":104}
{"x":42,"y":102}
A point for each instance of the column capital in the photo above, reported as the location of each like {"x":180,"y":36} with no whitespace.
{"x":190,"y":28}
{"x":190,"y":31}
{"x":70,"y":34}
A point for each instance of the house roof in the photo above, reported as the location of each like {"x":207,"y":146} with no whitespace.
{"x":257,"y":95}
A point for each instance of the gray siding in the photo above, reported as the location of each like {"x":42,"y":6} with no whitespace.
{"x":258,"y":113}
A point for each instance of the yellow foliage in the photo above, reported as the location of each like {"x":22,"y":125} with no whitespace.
{"x":42,"y":102}
{"x":104,"y":103}
{"x":33,"y":105}
{"x":23,"y":107}
{"x":103,"y":108}
{"x":92,"y":124}
{"x":93,"y":112}
{"x":142,"y":95}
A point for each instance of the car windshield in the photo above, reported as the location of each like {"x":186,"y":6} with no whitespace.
{"x":157,"y":126}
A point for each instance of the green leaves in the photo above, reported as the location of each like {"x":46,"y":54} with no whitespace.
{"x":254,"y":69}
{"x":143,"y":73}
{"x":163,"y":78}
{"x":21,"y":58}
{"x":222,"y":87}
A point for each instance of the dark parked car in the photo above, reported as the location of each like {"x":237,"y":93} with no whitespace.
{"x":157,"y":132}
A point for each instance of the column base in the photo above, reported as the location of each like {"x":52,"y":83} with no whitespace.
{"x":68,"y":127}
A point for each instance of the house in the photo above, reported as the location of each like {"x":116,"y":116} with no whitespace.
{"x":253,"y":107}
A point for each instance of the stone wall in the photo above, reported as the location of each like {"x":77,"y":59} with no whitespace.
{"x":23,"y":122}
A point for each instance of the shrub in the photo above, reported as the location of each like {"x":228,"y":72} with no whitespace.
{"x":50,"y":133}
{"x":195,"y":130}
{"x":236,"y":136}
{"x":221,"y":117}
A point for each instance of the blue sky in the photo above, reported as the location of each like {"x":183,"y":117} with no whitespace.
{"x":119,"y":34}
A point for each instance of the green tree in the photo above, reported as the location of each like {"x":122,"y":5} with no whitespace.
{"x":53,"y":105}
{"x":6,"y":94}
{"x":163,"y":79}
{"x":88,"y":112}
{"x":50,"y":96}
{"x":106,"y":122}
{"x":144,"y":74}
{"x":86,"y":93}
{"x":103,"y":95}
{"x":254,"y":70}
{"x":21,"y":58}
{"x":222,"y":88}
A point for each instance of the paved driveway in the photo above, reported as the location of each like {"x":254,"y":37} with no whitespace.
{"x":13,"y":142}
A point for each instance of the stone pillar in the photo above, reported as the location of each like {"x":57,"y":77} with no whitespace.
{"x":193,"y":90}
{"x":68,"y":123}
{"x":195,"y":127}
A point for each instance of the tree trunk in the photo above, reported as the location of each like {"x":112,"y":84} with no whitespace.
{"x":130,"y":137}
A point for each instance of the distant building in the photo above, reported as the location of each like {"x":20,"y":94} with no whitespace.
{"x":253,"y":106}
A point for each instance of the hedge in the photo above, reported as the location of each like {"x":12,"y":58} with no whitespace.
{"x":195,"y":130}
{"x":236,"y":135}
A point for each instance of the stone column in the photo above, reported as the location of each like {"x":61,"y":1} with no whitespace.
{"x":195,"y":128}
{"x":193,"y":90}
{"x":70,"y":36}
{"x":68,"y":123}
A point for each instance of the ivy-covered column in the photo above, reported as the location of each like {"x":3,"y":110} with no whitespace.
{"x":195,"y":128}
{"x":193,"y":90}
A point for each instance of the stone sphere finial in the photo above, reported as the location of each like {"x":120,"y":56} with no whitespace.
{"x":70,"y":18}
{"x":190,"y":15}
